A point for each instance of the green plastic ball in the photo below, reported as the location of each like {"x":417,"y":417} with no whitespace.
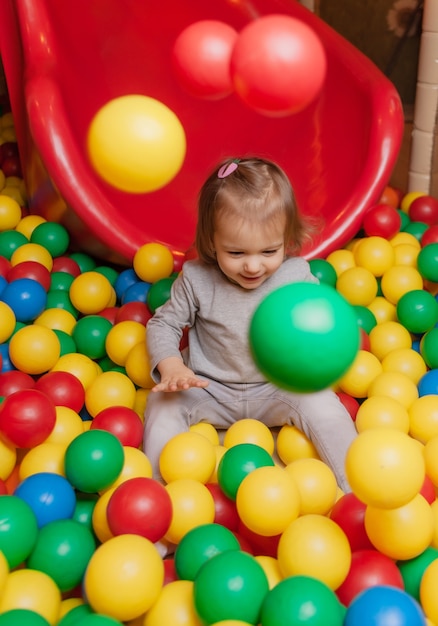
{"x":304,"y":336}
{"x":22,"y":617}
{"x":52,"y":236}
{"x":76,"y":615}
{"x":231,"y":585}
{"x":10,"y":240}
{"x":324,"y":271}
{"x":429,"y":348}
{"x":90,"y":333}
{"x":417,"y":310}
{"x":412,"y":570}
{"x":237,"y":462}
{"x":159,"y":293}
{"x":18,"y":529}
{"x":66,"y":342}
{"x":85,"y":261}
{"x":301,"y":600}
{"x":365,"y":318}
{"x":427,"y":262}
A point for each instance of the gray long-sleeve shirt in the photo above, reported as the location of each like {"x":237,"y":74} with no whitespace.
{"x":218,"y":314}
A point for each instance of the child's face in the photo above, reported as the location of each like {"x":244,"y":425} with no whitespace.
{"x":250,"y":253}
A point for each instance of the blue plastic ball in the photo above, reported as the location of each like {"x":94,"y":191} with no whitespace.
{"x":428,"y":383}
{"x":50,"y":496}
{"x":383,"y":605}
{"x":26,"y":297}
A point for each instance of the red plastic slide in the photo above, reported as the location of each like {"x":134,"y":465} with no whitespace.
{"x":64,"y":60}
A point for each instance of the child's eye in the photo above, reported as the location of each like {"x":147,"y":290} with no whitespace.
{"x":235,"y":253}
{"x":269,"y":252}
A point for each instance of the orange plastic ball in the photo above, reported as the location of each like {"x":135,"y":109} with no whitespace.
{"x":91,"y":292}
{"x":152,"y":262}
{"x":385,"y":467}
{"x":388,"y":336}
{"x":188,"y":455}
{"x":249,"y":431}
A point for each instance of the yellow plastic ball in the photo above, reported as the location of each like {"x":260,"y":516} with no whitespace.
{"x":359,"y":376}
{"x":394,"y":385}
{"x":385,"y":467}
{"x":34,"y":349}
{"x":187,"y":455}
{"x":382,"y":412}
{"x":208,"y":431}
{"x":192,"y":505}
{"x":80,"y":365}
{"x":46,"y":457}
{"x":315,"y":546}
{"x":358,"y":285}
{"x":7,"y":322}
{"x":136,"y":143}
{"x":405,"y":238}
{"x":109,"y":389}
{"x":10,"y":213}
{"x":219,"y":452}
{"x":427,"y":592}
{"x":341,"y":260}
{"x":292,"y":444}
{"x":32,"y":252}
{"x":57,"y":319}
{"x":406,"y":254}
{"x":401,"y":533}
{"x":124,"y":577}
{"x":423,"y":418}
{"x":383,"y":310}
{"x":405,"y":361}
{"x":68,"y":426}
{"x":271,"y":568}
{"x":121,"y":338}
{"x":316,"y":484}
{"x":388,"y":336}
{"x":249,"y":431}
{"x":32,"y":590}
{"x":135,"y":465}
{"x":152,"y":262}
{"x":375,"y":254}
{"x":430,"y":452}
{"x":99,"y":518}
{"x":398,"y":280}
{"x":174,"y":605}
{"x":27,"y":225}
{"x":90,"y":292}
{"x":68,"y":605}
{"x":268,"y":500}
{"x":8,"y":459}
{"x":408,"y":199}
{"x":137,"y":366}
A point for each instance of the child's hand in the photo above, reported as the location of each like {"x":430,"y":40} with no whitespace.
{"x":175,"y":376}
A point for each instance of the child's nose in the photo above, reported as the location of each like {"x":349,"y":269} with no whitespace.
{"x":252,"y":264}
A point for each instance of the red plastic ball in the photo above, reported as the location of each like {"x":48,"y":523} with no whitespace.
{"x":136,"y":311}
{"x":260,"y":545}
{"x":63,"y":388}
{"x":364,"y":340}
{"x":424,"y":209}
{"x":170,"y":574}
{"x":382,"y":220}
{"x":369,"y":568}
{"x":268,"y":50}
{"x":66,"y":264}
{"x":430,"y":235}
{"x":109,"y":313}
{"x":350,"y":403}
{"x":349,"y":514}
{"x":428,"y":490}
{"x":30,"y":269}
{"x":5,"y":266}
{"x":27,"y":418}
{"x":13,"y":381}
{"x":123,"y":422}
{"x":140,"y":506}
{"x":201,"y":58}
{"x":225,"y":508}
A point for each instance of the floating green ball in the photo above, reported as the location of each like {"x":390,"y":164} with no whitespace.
{"x":304,"y":336}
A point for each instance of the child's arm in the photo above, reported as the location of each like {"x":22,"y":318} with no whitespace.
{"x":175,"y":376}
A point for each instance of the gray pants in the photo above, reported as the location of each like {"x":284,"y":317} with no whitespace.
{"x":320,"y":416}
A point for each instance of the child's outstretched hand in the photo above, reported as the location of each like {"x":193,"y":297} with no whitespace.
{"x":175,"y":376}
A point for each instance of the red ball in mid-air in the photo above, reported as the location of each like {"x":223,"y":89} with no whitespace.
{"x":278,"y":65}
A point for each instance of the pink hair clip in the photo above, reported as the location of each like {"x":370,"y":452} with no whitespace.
{"x":228,"y":169}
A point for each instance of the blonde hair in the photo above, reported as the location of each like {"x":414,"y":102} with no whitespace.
{"x":256,"y":190}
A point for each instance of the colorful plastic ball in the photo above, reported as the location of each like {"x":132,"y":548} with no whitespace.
{"x":133,"y":311}
{"x":383,"y":604}
{"x":140,"y":506}
{"x":417,"y":229}
{"x":50,"y":496}
{"x":18,"y":617}
{"x":201,"y":58}
{"x":136,"y":143}
{"x":10,"y":213}
{"x":417,"y":310}
{"x":429,"y":348}
{"x":324,"y":271}
{"x":109,"y":389}
{"x":153,"y":261}
{"x":427,"y":591}
{"x":358,"y":286}
{"x":406,"y":361}
{"x":349,"y":514}
{"x":138,"y":367}
{"x":412,"y":570}
{"x":79,"y":365}
{"x":375,"y":254}
{"x":365,"y":318}
{"x":27,"y":418}
{"x":32,"y":252}
{"x":398,"y":280}
{"x":136,"y":465}
{"x":428,"y":384}
{"x":237,"y":462}
{"x":292,"y":444}
{"x":395,"y":385}
{"x":300,"y":599}
{"x":99,"y":519}
{"x":430,"y":235}
{"x":225,"y":508}
{"x":62,"y":551}
{"x":93,"y":460}
{"x":30,"y":269}
{"x":63,"y":388}
{"x":385,"y":467}
{"x":89,"y":335}
{"x":138,"y":292}
{"x":315,"y":546}
{"x":315,"y":324}
{"x":423,"y":418}
{"x":187,"y":455}
{"x":316,"y":483}
{"x":173,"y":606}
{"x":159,"y":293}
{"x":26,"y":298}
{"x":7,"y":323}
{"x":13,"y":381}
{"x":121,"y":421}
{"x":424,"y":209}
{"x":383,"y":310}
{"x":34,"y":349}
{"x":201,"y":544}
{"x":389,"y":336}
{"x":8,"y":459}
{"x":124,"y":577}
{"x":249,"y":431}
{"x":192,"y":505}
{"x":52,"y":236}
{"x":47,"y":457}
{"x":122,"y":337}
{"x":406,"y":254}
{"x":382,"y":220}
{"x":18,"y":529}
{"x":270,"y":48}
{"x":124,"y":280}
{"x":341,"y":260}
{"x":358,"y":378}
{"x":427,"y":262}
{"x":31,"y":590}
{"x":216,"y":595}
{"x":90,"y":292}
{"x":10,"y":240}
{"x":381,"y":412}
